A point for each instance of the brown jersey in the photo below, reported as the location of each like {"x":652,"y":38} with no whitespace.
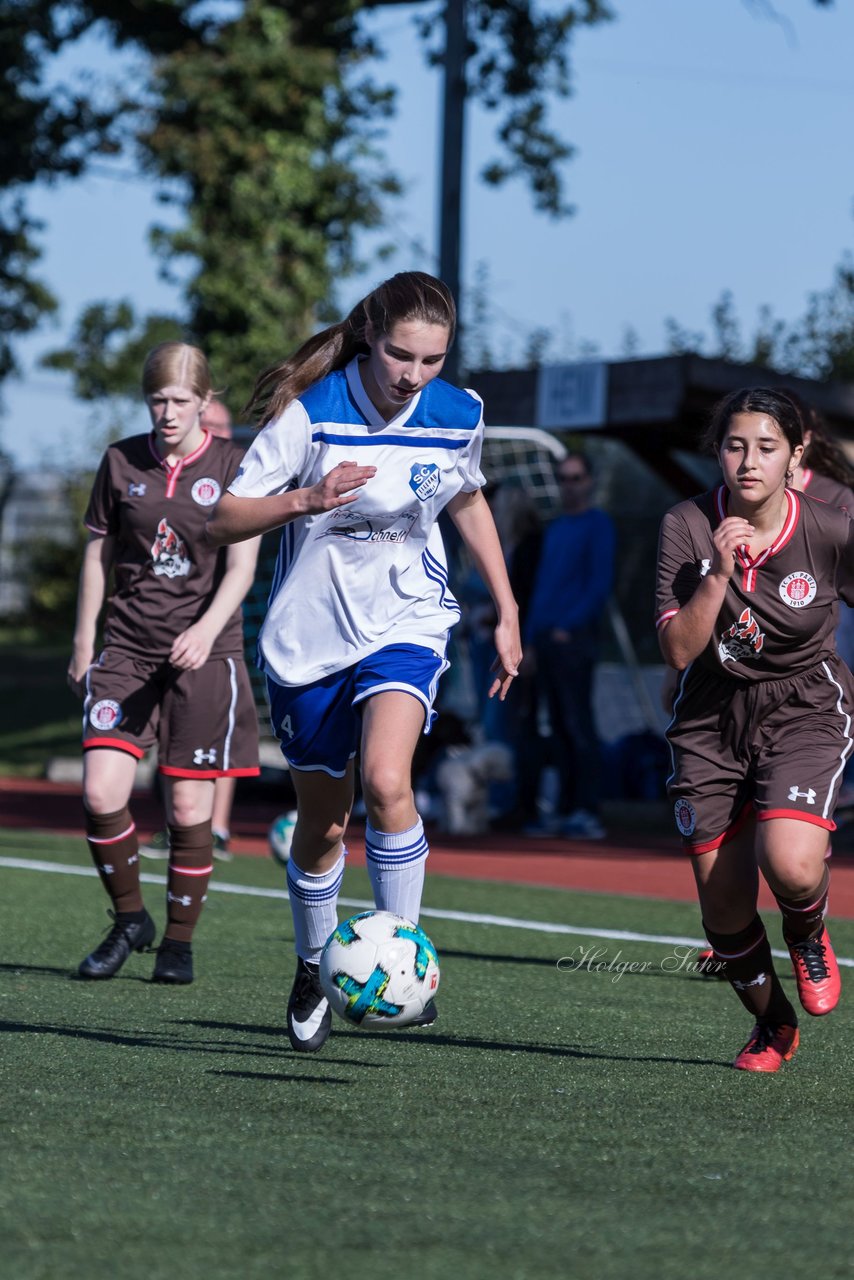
{"x":833,"y":492}
{"x":779,"y":614}
{"x":166,"y":572}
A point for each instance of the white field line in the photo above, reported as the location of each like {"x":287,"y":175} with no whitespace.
{"x":435,"y":913}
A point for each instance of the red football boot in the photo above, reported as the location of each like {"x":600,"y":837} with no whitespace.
{"x":770,"y":1045}
{"x":816,"y":973}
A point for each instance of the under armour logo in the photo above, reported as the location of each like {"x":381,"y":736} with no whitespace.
{"x":186,"y":901}
{"x":200,"y":756}
{"x":795,"y":794}
{"x":136,"y":490}
{"x":705,"y":566}
{"x":107,"y":868}
{"x":758,"y":981}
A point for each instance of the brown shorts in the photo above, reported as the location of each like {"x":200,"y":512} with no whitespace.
{"x":204,"y":722}
{"x":780,"y":746}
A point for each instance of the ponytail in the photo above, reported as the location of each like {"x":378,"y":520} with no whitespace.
{"x":277,"y":386}
{"x":410,"y":295}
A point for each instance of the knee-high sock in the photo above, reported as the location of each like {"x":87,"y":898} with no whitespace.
{"x":804,"y":917}
{"x":115,"y":852}
{"x":190,"y":867}
{"x":314,"y":902}
{"x":750,"y":972}
{"x":396,"y":868}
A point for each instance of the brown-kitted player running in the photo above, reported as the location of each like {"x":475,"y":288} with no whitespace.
{"x":749,"y":579}
{"x":171,"y":670}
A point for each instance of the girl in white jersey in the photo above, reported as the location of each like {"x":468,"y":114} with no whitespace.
{"x":362,"y":447}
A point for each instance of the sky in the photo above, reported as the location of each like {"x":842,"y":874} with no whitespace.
{"x":712,"y":152}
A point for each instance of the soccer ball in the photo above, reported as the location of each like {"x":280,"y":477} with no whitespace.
{"x":280,"y":837}
{"x":379,"y":970}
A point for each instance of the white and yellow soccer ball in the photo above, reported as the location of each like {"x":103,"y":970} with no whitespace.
{"x":379,"y":970}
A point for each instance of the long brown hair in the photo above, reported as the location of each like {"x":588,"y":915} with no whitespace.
{"x":823,"y":454}
{"x":409,"y":295}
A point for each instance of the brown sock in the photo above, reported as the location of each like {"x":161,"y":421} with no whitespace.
{"x":115,"y":852}
{"x":750,"y":972}
{"x":804,"y":917}
{"x":190,"y":867}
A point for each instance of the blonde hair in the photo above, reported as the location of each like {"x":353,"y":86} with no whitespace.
{"x":176,"y":364}
{"x":409,"y":295}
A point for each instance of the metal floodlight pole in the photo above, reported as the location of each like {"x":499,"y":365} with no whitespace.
{"x":450,"y":199}
{"x":452,"y":126}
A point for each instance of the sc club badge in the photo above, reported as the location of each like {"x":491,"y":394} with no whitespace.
{"x":424,"y":480}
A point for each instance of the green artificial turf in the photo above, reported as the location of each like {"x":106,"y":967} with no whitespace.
{"x":39,"y":716}
{"x":553,"y":1123}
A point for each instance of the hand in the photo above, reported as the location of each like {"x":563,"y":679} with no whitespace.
{"x":338,"y":487}
{"x":731,"y":533}
{"x":191,"y":649}
{"x":81,"y":661}
{"x":506,"y":665}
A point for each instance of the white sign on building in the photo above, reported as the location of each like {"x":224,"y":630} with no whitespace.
{"x":572,"y":395}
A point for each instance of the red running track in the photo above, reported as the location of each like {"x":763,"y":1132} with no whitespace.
{"x":632,"y":860}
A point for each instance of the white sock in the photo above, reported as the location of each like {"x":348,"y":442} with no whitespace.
{"x":314,"y":907}
{"x":396,"y":869}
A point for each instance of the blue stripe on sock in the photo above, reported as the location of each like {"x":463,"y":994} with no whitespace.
{"x":389,"y":861}
{"x":419,"y":843}
{"x":307,"y":894}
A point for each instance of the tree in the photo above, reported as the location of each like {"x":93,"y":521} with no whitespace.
{"x":262,"y":124}
{"x":268,"y":136}
{"x":46,"y":135}
{"x":108,"y":347}
{"x":820,"y":344}
{"x":517,"y":61}
{"x":261,"y":132}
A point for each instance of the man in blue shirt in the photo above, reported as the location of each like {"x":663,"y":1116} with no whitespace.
{"x":574,"y":579}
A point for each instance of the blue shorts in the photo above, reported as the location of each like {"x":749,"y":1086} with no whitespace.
{"x":319,"y":724}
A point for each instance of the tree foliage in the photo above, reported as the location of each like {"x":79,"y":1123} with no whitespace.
{"x":266,"y":137}
{"x":254,"y":119}
{"x":108,"y":347}
{"x":819,"y":344}
{"x":518,"y":60}
{"x":260,"y":124}
{"x":46,"y":134}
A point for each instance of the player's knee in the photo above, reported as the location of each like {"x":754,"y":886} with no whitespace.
{"x":99,"y":797}
{"x":189,"y":812}
{"x":798,"y":882}
{"x":385,"y":785}
{"x":314,"y":839}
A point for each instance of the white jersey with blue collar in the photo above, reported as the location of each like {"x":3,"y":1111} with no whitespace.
{"x":373,"y":572}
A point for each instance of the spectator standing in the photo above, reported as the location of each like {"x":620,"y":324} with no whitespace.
{"x":572,"y":584}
